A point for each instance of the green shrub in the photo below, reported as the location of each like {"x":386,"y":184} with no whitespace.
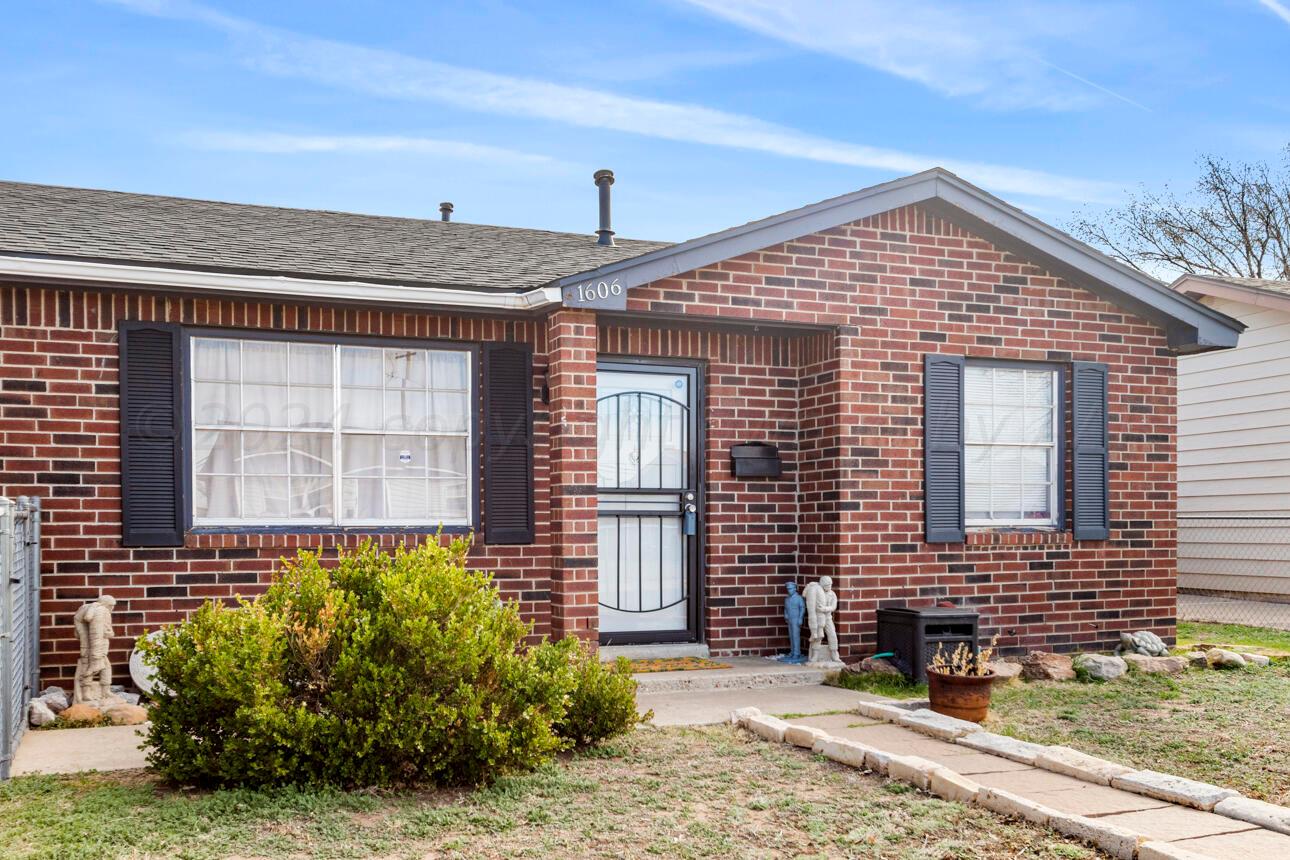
{"x":384,"y":669}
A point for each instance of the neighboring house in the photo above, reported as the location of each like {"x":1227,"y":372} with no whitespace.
{"x":1234,"y":446}
{"x":967,"y":404}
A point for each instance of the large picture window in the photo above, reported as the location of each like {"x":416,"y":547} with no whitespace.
{"x":308,"y":433}
{"x":1011,"y":437}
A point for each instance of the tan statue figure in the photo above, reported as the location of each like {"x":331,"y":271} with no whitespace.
{"x":93,"y":670}
{"x":821,"y":603}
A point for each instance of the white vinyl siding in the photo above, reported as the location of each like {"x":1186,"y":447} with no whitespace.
{"x":1234,"y":459}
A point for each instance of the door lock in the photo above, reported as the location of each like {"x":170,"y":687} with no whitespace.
{"x":691,"y":518}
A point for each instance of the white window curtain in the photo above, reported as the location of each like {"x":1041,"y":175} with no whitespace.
{"x":329,"y":434}
{"x":1011,"y":418}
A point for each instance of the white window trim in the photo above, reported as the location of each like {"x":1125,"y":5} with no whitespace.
{"x":1055,"y":459}
{"x":338,"y":432}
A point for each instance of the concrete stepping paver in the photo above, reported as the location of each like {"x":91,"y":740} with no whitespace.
{"x":1066,"y":793}
{"x":77,"y":750}
{"x":708,"y":707}
{"x":1171,"y":823}
{"x":1248,"y":845}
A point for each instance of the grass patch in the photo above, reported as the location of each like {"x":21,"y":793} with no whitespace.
{"x":1224,"y":727}
{"x":1265,"y":640}
{"x":688,"y":793}
{"x":880,"y":684}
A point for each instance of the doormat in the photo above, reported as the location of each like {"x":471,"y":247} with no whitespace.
{"x":676,"y":664}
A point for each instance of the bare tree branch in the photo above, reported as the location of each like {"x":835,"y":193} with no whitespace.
{"x":1236,"y":221}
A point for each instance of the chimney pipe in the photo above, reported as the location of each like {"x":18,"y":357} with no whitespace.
{"x":604,"y":179}
{"x":445,"y":211}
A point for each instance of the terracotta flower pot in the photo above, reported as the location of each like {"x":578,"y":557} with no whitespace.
{"x":966,"y":697}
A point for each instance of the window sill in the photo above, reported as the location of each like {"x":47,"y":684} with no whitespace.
{"x":292,"y":537}
{"x":1018,"y":537}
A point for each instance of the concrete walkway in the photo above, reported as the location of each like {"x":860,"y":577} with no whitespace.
{"x":1204,"y":833}
{"x":708,"y":707}
{"x":78,"y":750}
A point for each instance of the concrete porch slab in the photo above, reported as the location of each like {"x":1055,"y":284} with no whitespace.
{"x":744,"y":672}
{"x":698,"y":707}
{"x":79,"y":750}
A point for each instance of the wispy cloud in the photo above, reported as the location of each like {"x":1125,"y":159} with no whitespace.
{"x":992,"y":54}
{"x":389,"y":74}
{"x":290,"y":144}
{"x":1277,"y":8}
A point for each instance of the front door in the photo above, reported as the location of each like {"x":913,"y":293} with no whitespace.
{"x":650,"y":510}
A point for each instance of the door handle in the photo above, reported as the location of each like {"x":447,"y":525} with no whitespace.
{"x":691,"y":519}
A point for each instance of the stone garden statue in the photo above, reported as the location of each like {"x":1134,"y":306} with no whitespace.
{"x":1142,"y":642}
{"x":794,"y":614}
{"x":821,"y":603}
{"x":93,"y":669}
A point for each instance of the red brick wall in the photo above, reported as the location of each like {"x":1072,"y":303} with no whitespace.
{"x":844,"y":404}
{"x":59,"y":440}
{"x":906,"y":283}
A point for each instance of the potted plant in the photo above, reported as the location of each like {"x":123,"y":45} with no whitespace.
{"x":958,"y":684}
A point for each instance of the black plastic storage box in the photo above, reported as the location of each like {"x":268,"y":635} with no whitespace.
{"x":913,"y":635}
{"x":755,"y":460}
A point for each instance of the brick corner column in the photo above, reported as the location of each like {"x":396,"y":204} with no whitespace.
{"x":571,"y":379}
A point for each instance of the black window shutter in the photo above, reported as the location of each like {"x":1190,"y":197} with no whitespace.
{"x":1090,"y":469}
{"x":508,"y":444}
{"x":943,"y":458}
{"x":152,"y":498}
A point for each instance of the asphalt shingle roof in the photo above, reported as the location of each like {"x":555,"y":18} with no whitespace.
{"x":145,"y":229}
{"x":1255,"y":283}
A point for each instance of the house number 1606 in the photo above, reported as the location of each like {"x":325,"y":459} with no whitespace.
{"x":589,"y":292}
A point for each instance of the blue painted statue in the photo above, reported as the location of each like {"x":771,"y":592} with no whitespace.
{"x":794,"y":613}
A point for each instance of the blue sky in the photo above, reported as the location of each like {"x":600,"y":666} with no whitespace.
{"x":711,"y":112}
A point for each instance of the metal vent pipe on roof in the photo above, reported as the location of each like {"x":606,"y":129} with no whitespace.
{"x":604,"y":179}
{"x":445,"y":211}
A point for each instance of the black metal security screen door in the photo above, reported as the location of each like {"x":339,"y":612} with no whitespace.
{"x":650,"y":509}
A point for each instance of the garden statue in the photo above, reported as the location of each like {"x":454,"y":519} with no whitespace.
{"x":821,"y":603}
{"x":1142,"y":642}
{"x":794,"y":613}
{"x":93,"y":669}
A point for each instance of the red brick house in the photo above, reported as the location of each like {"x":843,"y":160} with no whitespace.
{"x":940,"y":398}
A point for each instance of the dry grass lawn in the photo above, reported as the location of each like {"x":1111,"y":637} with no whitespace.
{"x":711,"y":792}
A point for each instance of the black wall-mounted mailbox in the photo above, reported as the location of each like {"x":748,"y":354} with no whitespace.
{"x":755,"y":460}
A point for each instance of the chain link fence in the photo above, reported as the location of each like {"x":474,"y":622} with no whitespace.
{"x":19,"y":619}
{"x":1234,"y":570}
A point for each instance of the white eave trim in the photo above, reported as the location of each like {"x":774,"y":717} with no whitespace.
{"x":273,"y":286}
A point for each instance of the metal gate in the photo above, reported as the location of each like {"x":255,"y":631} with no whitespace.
{"x":19,"y":619}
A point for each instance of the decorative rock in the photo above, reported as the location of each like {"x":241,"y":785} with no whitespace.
{"x":1267,"y":815}
{"x":937,"y":725}
{"x":39,"y":713}
{"x":130,"y":698}
{"x":912,"y":704}
{"x":803,"y":736}
{"x":912,"y":769}
{"x":1080,"y":765}
{"x":55,"y":699}
{"x":739,"y":715}
{"x":126,"y":715}
{"x":1157,"y":665}
{"x":1196,"y":659}
{"x":81,"y":713}
{"x":1045,"y":666}
{"x":1007,"y":803}
{"x":1167,"y":851}
{"x":874,"y":665}
{"x":880,"y":711}
{"x":1220,"y":658}
{"x":767,"y":727}
{"x":1099,"y":667}
{"x":1002,"y":746}
{"x":1005,"y":672}
{"x":1174,"y":789}
{"x":1256,"y":659}
{"x":952,"y":786}
{"x":1119,"y":842}
{"x":843,"y":751}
